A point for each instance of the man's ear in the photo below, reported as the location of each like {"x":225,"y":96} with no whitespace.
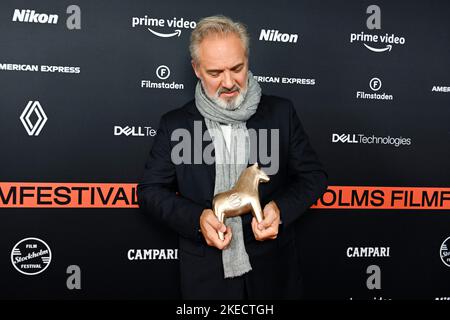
{"x":195,"y":66}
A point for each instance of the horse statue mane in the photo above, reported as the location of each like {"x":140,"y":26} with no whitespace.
{"x":242,"y":198}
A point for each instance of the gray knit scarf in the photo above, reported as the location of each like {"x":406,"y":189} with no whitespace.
{"x":230,"y":163}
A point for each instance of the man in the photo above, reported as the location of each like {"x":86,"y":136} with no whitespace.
{"x":255,"y":260}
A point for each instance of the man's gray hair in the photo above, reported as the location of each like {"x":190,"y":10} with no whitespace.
{"x":219,"y":25}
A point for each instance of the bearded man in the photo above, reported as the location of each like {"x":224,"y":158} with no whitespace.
{"x":255,"y":260}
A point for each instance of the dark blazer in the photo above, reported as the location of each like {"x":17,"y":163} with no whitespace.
{"x":177,"y":194}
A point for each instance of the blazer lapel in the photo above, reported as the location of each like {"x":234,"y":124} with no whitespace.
{"x":195,"y":122}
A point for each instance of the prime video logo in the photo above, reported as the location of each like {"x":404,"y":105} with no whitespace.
{"x":373,"y":41}
{"x":155,"y":23}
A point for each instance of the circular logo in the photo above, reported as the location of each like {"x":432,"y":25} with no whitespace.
{"x":445,"y":252}
{"x":163,"y":72}
{"x":31,"y":256}
{"x":375,"y":84}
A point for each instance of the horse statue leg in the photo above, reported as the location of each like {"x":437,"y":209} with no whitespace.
{"x":256,"y":207}
{"x":220,"y":216}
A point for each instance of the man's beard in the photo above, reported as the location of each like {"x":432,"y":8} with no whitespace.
{"x":234,"y":102}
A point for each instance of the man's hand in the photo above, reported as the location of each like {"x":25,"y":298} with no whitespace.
{"x":210,"y":226}
{"x":268,"y":228}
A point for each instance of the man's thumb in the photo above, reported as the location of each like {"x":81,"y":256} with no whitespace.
{"x":221,"y":227}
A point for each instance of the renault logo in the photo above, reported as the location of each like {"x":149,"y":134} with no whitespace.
{"x":33,"y":107}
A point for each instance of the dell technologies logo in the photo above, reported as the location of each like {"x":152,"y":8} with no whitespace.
{"x":365,"y":139}
{"x":134,"y":131}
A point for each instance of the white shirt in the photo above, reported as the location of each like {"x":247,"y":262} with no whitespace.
{"x":226,"y":130}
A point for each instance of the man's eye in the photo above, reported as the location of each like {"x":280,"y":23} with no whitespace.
{"x":214,"y":74}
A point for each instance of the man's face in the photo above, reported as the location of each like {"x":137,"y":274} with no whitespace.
{"x":222,"y":67}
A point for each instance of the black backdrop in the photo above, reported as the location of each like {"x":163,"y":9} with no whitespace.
{"x":101,"y":89}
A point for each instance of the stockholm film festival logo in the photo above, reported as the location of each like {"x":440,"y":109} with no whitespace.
{"x":33,"y":110}
{"x":444,"y":252}
{"x":31,"y":256}
{"x":376,"y":42}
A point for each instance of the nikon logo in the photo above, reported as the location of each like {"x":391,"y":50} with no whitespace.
{"x":33,"y":17}
{"x":73,"y":21}
{"x":277,"y":36}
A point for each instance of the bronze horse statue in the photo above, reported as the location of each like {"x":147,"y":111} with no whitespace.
{"x":242,"y":198}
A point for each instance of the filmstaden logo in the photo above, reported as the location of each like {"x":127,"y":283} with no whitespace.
{"x":163,"y":73}
{"x":374,"y":85}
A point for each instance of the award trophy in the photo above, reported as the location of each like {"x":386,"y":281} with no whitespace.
{"x":242,"y":198}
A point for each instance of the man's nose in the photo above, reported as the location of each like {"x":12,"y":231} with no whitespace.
{"x":227,"y":80}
